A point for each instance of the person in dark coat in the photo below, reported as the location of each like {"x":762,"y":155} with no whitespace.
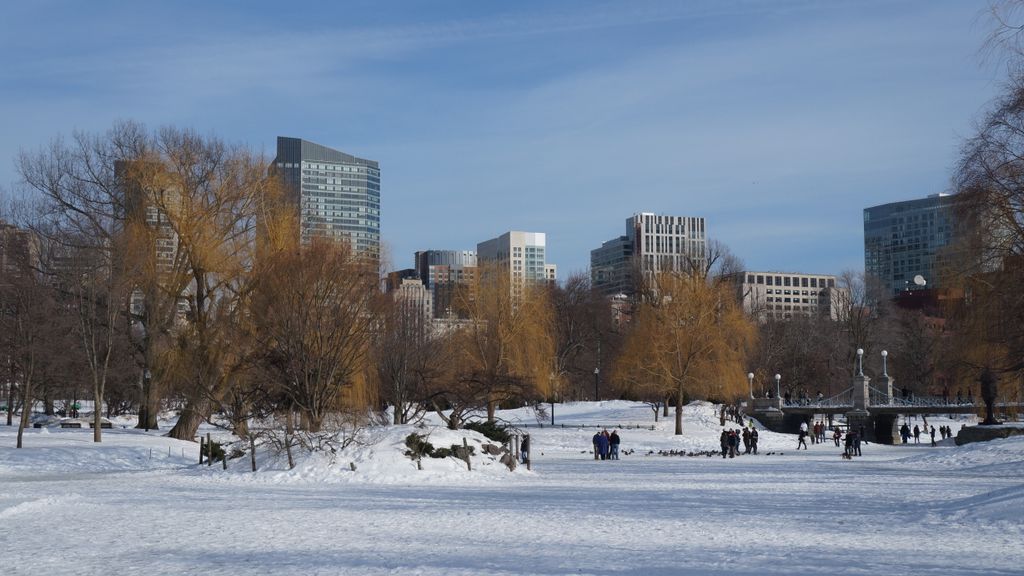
{"x":746,"y":441}
{"x":597,"y":445}
{"x":734,"y":443}
{"x":524,"y":448}
{"x":905,"y":433}
{"x":802,"y":440}
{"x":856,"y":443}
{"x":753,"y":440}
{"x":602,"y":444}
{"x":723,"y":440}
{"x":848,"y":444}
{"x":933,"y":436}
{"x":917,"y":434}
{"x":613,"y":442}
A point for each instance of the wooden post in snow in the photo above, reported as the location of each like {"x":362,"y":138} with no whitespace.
{"x":200,"y":450}
{"x":209,"y":450}
{"x":465,"y":452}
{"x":252,"y":450}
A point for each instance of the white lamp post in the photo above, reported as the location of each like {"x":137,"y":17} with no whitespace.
{"x":750,"y":381}
{"x":860,"y":361}
{"x":884,"y":354}
{"x":778,"y":392}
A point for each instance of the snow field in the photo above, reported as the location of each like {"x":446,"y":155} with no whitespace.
{"x":68,"y":505}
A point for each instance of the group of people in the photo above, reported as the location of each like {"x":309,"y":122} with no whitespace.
{"x":606,"y":446}
{"x":730,"y":441}
{"x":905,"y":433}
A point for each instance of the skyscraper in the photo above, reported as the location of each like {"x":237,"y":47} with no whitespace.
{"x":653,"y":243}
{"x":442,"y":271}
{"x":903,"y":240}
{"x":338,"y":195}
{"x":525,"y":255}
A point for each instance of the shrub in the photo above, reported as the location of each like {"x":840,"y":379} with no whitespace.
{"x":491,"y":430}
{"x":418,"y":446}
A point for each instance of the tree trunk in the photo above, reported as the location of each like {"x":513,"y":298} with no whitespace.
{"x":288,"y":428}
{"x":188,"y":423}
{"x":664,"y":407}
{"x":491,"y":407}
{"x":97,"y":413}
{"x":149,"y":406}
{"x":26,"y":410}
{"x":47,"y":403}
{"x":10,"y":403}
{"x":679,"y":413}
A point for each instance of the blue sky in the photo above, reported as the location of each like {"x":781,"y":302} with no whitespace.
{"x":776,"y":121}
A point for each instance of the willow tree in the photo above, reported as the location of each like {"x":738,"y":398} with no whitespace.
{"x":689,"y":340}
{"x":506,"y":348}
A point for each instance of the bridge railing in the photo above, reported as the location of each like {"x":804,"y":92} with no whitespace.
{"x":840,"y":400}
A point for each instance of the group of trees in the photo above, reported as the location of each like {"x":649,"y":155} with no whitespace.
{"x":165,"y":269}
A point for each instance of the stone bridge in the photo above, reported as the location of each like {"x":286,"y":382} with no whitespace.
{"x":876,"y":409}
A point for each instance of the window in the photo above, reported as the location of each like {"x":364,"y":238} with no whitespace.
{"x":760,"y":279}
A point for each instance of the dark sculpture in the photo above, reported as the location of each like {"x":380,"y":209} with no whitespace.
{"x":989,"y":391}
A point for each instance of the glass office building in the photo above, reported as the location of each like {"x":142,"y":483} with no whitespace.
{"x":904,"y":239}
{"x":338,"y":195}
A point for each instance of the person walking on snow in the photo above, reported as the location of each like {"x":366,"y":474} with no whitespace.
{"x":753,"y":440}
{"x":724,"y":442}
{"x":917,"y":434}
{"x":933,"y":436}
{"x":613,"y":441}
{"x":802,"y":440}
{"x":524,"y":448}
{"x":597,"y":445}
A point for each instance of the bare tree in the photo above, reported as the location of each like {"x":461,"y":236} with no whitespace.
{"x":408,"y":358}
{"x":313,"y":317}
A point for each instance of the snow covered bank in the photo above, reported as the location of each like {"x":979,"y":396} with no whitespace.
{"x":66,"y":507}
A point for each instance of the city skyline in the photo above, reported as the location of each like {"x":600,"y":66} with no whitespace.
{"x":778,"y":123}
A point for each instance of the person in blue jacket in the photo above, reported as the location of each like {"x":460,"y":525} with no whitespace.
{"x":602,"y":446}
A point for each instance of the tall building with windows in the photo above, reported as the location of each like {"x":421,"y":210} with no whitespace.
{"x":525,"y":255}
{"x":338,"y":195}
{"x":19,"y":252}
{"x":785,"y":295}
{"x":442,"y":272}
{"x":653,"y":243}
{"x":904,"y":239}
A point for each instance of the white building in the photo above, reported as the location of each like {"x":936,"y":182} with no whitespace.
{"x":785,"y":295}
{"x":525,"y":255}
{"x":653,"y":243}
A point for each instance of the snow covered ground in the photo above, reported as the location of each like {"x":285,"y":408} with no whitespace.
{"x":139,"y":503}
